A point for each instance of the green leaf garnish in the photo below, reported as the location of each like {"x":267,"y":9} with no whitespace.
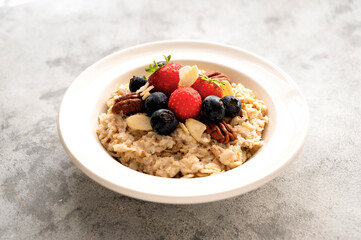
{"x":156,"y":66}
{"x":215,"y":81}
{"x":167,"y":58}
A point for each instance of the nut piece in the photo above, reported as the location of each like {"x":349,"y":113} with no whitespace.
{"x":139,"y":122}
{"x":215,"y":132}
{"x":222,"y":132}
{"x":147,"y":90}
{"x":188,"y":75}
{"x":145,"y":96}
{"x":218,"y":75}
{"x":195,"y":128}
{"x":184,"y":128}
{"x":129,"y":104}
{"x":230,"y":130}
{"x":143,"y":88}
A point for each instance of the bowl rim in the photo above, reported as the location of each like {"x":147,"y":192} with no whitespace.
{"x":194,"y":198}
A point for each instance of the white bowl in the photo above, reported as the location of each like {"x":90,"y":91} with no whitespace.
{"x":85,"y":100}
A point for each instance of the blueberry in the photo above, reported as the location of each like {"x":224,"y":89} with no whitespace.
{"x":163,"y":121}
{"x":232,"y":105}
{"x":137,"y":82}
{"x":213,"y":108}
{"x":155,"y":101}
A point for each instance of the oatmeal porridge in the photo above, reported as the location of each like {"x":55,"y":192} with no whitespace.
{"x":182,"y":122}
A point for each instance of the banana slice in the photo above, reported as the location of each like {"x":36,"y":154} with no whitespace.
{"x":188,"y":75}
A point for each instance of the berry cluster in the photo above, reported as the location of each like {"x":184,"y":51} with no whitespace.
{"x":179,"y":93}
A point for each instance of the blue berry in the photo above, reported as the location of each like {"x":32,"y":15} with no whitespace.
{"x":163,"y":121}
{"x":232,"y":105}
{"x":137,"y":82}
{"x":155,"y":101}
{"x":213,"y":108}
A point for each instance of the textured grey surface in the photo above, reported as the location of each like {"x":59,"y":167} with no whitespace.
{"x":44,"y":46}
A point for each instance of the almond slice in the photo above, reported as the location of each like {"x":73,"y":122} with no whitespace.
{"x":145,"y":96}
{"x":147,"y":90}
{"x":143,"y":88}
{"x":188,"y":75}
{"x":195,"y":128}
{"x":184,"y":127}
{"x":139,"y":122}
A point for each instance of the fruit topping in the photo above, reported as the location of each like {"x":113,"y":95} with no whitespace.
{"x":232,"y":105}
{"x":227,"y":89}
{"x":188,"y":75}
{"x":195,"y":128}
{"x":213,"y":108}
{"x":155,"y":101}
{"x":185,"y":102}
{"x":207,"y":86}
{"x":128,"y":104}
{"x":137,"y":82}
{"x":139,"y":122}
{"x":164,"y":78}
{"x":163,"y":121}
{"x":186,"y":87}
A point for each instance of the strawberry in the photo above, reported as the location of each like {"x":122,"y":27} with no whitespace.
{"x":185,"y":102}
{"x":207,"y":86}
{"x":165,"y":76}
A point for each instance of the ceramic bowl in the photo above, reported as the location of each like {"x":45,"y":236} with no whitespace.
{"x":85,"y":100}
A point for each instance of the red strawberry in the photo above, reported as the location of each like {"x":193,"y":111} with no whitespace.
{"x":207,"y":86}
{"x":166,"y":78}
{"x":185,"y":102}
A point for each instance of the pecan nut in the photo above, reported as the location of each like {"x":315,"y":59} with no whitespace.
{"x":215,"y":132}
{"x":218,"y":76}
{"x":221,"y":132}
{"x":128,"y":104}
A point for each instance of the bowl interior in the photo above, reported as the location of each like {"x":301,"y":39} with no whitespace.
{"x":235,"y":75}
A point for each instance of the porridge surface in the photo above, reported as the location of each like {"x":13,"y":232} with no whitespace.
{"x":179,"y":154}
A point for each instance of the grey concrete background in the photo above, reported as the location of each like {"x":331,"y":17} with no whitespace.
{"x":44,"y":45}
